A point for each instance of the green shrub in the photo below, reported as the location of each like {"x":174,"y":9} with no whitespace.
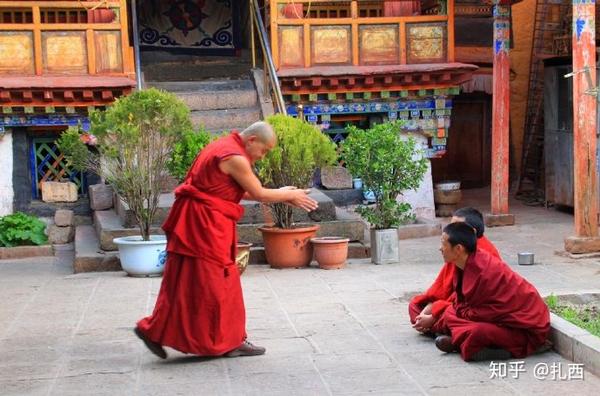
{"x":20,"y":229}
{"x":300,"y":149}
{"x":186,"y":150}
{"x":388,"y":165}
{"x":135,"y":138}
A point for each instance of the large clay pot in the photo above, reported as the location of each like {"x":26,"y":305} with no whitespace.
{"x":288,"y":248}
{"x":330,"y":252}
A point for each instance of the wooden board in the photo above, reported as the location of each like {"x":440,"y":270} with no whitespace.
{"x":379,"y":44}
{"x":64,"y":52}
{"x":17,"y":53}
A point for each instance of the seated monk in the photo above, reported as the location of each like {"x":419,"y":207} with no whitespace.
{"x":497,"y":314}
{"x":425,"y":309}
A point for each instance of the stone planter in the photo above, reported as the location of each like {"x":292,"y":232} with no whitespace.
{"x":330,"y":252}
{"x":384,"y":246}
{"x":142,"y":258}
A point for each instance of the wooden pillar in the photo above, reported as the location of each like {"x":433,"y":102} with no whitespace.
{"x":584,"y":130}
{"x":500,"y":117}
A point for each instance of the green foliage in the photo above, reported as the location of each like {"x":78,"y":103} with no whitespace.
{"x":586,"y":316}
{"x":300,"y":149}
{"x":388,"y":165}
{"x":136,"y":137}
{"x":186,"y":150}
{"x":20,"y":229}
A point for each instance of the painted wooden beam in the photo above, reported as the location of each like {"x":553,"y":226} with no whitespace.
{"x":500,"y":109}
{"x":584,"y":120}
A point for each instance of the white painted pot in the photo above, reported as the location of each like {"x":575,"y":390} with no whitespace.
{"x":142,"y":258}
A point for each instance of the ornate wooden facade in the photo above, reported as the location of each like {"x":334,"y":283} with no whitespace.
{"x":341,"y":61}
{"x":63,"y":54}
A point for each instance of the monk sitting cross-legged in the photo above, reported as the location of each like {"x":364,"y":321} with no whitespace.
{"x":497,"y":314}
{"x":425,"y":309}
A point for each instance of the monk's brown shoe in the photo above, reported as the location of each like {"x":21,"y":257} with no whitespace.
{"x":154,"y":347}
{"x":444,"y":344}
{"x":246,"y":349}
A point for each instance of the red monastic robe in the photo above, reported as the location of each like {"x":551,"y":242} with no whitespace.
{"x":495,"y":307}
{"x":441,"y":292}
{"x":200,"y":306}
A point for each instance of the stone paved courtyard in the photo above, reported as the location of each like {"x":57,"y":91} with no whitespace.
{"x":326,"y":332}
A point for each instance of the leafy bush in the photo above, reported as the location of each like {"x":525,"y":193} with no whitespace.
{"x":20,"y":229}
{"x":135,"y":138}
{"x":300,"y":149}
{"x":186,"y":150}
{"x":388,"y":164}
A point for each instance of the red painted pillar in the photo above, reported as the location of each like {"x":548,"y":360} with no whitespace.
{"x":500,"y":116}
{"x":584,"y":125}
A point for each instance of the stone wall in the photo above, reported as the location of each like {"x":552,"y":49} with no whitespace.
{"x":6,"y":166}
{"x":523,"y":15}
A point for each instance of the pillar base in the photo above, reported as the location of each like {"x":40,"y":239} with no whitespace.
{"x":579,"y":245}
{"x":499,"y":220}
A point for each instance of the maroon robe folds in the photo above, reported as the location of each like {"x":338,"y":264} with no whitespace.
{"x":200,"y":306}
{"x":495,"y":307}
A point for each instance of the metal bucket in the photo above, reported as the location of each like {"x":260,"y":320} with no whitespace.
{"x":526,"y":258}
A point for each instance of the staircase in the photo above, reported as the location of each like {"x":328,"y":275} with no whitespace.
{"x":219,"y":104}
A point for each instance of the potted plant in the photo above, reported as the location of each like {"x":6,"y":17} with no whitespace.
{"x":301,"y":148}
{"x":388,"y":164}
{"x":135,"y":138}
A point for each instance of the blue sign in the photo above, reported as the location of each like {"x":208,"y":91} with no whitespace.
{"x":25,"y":120}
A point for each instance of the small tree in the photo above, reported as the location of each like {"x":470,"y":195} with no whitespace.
{"x":388,"y":164}
{"x":186,"y":150}
{"x":300,"y":149}
{"x":135,"y":138}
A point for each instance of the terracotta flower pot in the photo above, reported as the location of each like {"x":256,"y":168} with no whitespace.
{"x":288,"y":248}
{"x":330,"y":252}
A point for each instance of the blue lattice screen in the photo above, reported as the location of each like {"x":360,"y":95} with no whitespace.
{"x":47,"y":163}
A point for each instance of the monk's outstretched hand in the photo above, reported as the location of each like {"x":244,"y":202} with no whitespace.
{"x":300,"y":199}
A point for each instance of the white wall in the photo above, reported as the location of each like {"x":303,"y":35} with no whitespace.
{"x":421,"y":200}
{"x":6,"y":173}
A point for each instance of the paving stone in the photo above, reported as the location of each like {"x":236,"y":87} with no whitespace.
{"x":60,"y":235}
{"x":336,"y":178}
{"x":19,"y":252}
{"x":59,"y":192}
{"x":101,"y":196}
{"x":63,"y":217}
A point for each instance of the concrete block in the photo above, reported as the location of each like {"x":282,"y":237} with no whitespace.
{"x":421,"y":229}
{"x":448,"y":197}
{"x":101,"y":196}
{"x":60,"y":235}
{"x":63,"y":217}
{"x":335,"y":178}
{"x":88,"y":255}
{"x":578,"y":245}
{"x":562,"y":335}
{"x":59,"y":192}
{"x":19,"y":252}
{"x":586,"y":350}
{"x":499,"y":220}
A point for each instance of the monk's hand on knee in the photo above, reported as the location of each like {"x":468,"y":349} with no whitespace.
{"x":423,"y":322}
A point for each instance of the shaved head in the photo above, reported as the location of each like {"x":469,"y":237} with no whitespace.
{"x":262,"y":130}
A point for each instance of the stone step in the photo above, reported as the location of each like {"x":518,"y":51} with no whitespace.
{"x":88,"y":255}
{"x":253,"y":211}
{"x":108,"y":226}
{"x":227,"y":119}
{"x":210,"y":68}
{"x":212,"y":95}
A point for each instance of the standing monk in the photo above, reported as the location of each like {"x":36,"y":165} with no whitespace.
{"x":425,"y":309}
{"x":497,"y":314}
{"x":200,"y":306}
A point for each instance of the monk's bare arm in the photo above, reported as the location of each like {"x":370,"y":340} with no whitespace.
{"x":239,"y":168}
